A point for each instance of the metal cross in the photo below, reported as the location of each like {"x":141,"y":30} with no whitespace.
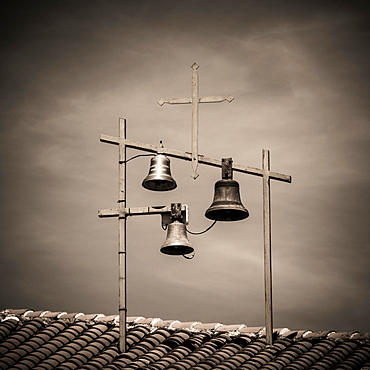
{"x":195,"y":100}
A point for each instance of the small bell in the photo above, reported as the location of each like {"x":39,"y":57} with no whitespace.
{"x":227,"y":205}
{"x":159,"y":177}
{"x":176,"y":243}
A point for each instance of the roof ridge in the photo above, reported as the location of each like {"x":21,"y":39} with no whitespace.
{"x":191,"y":326}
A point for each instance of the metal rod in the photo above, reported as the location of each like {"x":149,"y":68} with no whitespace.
{"x":137,"y":211}
{"x":267,"y":244}
{"x":187,"y":156}
{"x":195,"y":114}
{"x":122,"y":296}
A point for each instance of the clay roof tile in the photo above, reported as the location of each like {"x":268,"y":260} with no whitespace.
{"x":49,"y":340}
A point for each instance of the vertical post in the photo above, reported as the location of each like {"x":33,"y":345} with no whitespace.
{"x":194,"y":127}
{"x":267,"y":243}
{"x":122,"y":238}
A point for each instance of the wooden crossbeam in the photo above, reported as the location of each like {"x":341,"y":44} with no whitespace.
{"x":187,"y":156}
{"x":137,"y":211}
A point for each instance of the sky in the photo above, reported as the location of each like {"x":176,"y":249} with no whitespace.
{"x":299,"y":74}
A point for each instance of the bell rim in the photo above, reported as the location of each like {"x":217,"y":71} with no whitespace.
{"x":241,"y":214}
{"x":178,"y":250}
{"x":172,"y":185}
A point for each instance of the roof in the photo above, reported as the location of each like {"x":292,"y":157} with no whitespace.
{"x":59,"y":340}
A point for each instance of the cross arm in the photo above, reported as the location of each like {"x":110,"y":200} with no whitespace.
{"x":112,"y":212}
{"x":206,"y":160}
{"x":109,"y":139}
{"x":137,"y":211}
{"x":206,"y":99}
{"x":188,"y":157}
{"x":245,"y":169}
{"x":175,"y":101}
{"x":133,"y":211}
{"x":167,"y":212}
{"x":259,"y":172}
{"x":158,"y":149}
{"x":216,"y":99}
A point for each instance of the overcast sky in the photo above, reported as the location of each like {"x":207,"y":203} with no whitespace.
{"x":299,"y":73}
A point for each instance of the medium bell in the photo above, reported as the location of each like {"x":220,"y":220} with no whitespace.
{"x":227,"y":205}
{"x":159,"y":177}
{"x":176,"y":243}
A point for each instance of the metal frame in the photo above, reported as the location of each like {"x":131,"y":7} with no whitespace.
{"x":122,"y":212}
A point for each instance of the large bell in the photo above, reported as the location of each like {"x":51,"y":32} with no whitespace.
{"x":176,"y":243}
{"x":227,"y":205}
{"x":159,"y":177}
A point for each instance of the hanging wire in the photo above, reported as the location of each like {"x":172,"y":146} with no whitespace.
{"x":202,"y":232}
{"x":198,"y":233}
{"x":143,"y":155}
{"x":136,"y":156}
